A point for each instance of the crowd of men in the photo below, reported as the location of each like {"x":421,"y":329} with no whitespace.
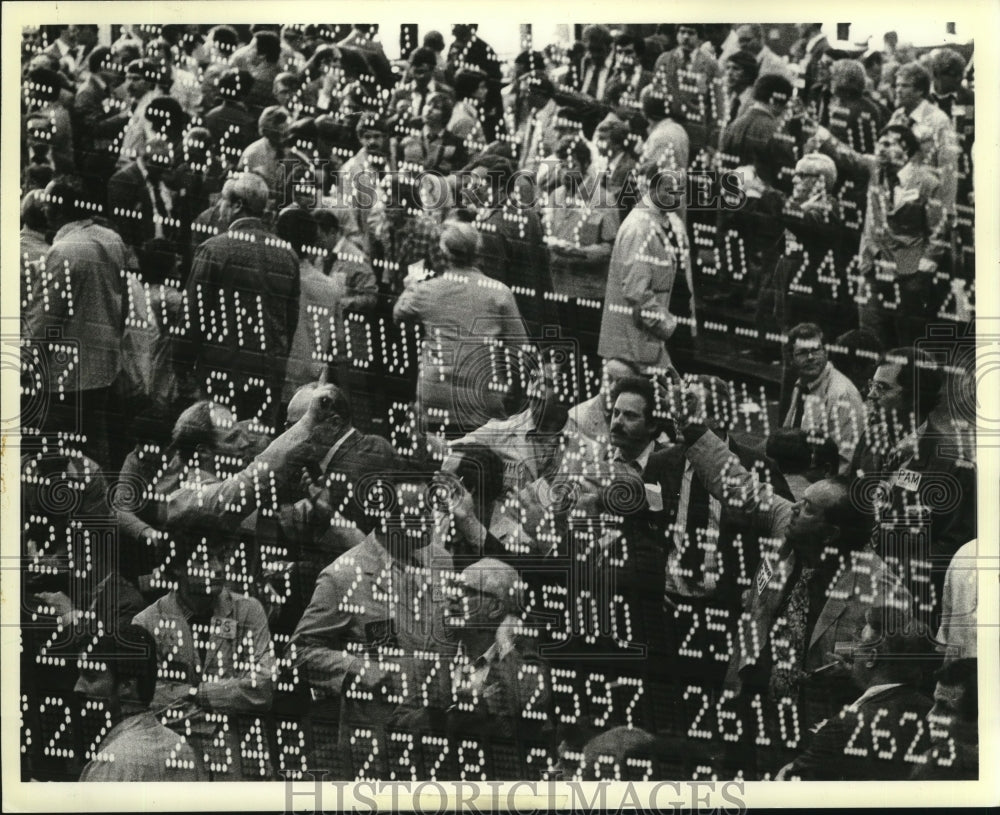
{"x":375,"y":417}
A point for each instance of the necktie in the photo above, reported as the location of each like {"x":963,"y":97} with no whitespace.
{"x":789,"y":655}
{"x":734,"y":108}
{"x":798,"y":405}
{"x":161,"y":209}
{"x":698,"y":517}
{"x":594,"y":77}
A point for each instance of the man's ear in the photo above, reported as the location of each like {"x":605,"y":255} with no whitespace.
{"x":497,"y":610}
{"x":128,"y":689}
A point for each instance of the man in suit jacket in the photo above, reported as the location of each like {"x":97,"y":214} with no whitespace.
{"x":140,"y":203}
{"x":595,"y":71}
{"x":96,"y":110}
{"x":435,"y":148}
{"x":690,"y":75}
{"x":692,"y":571}
{"x":628,"y":69}
{"x":500,"y":685}
{"x":753,"y":138}
{"x":813,"y":584}
{"x":887,"y":663}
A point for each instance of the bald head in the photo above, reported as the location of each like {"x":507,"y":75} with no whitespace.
{"x":494,"y":580}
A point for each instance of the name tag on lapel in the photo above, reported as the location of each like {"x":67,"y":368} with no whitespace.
{"x":764,"y":575}
{"x":908,"y":480}
{"x":224,"y":628}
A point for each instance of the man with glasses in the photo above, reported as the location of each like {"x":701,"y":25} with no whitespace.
{"x":499,"y":684}
{"x":887,"y":663}
{"x":824,"y":401}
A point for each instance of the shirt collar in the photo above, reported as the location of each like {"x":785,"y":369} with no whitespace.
{"x":503,"y":642}
{"x":642,"y":459}
{"x":874,"y":690}
{"x":250,"y":222}
{"x":71,"y":227}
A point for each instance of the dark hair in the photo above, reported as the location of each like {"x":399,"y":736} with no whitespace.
{"x":910,"y":142}
{"x":638,"y":43}
{"x":639,"y":385}
{"x":964,"y":672}
{"x":353,"y":64}
{"x":235,"y":84}
{"x":768,"y":86}
{"x":499,"y":171}
{"x":130,"y":653}
{"x":157,"y":258}
{"x":903,"y":643}
{"x":481,"y":470}
{"x":326,"y":219}
{"x":434,"y":40}
{"x":33,"y":211}
{"x":919,"y":377}
{"x":530,"y":61}
{"x":467,"y":82}
{"x":268,"y":45}
{"x":575,"y":146}
{"x":917,"y":74}
{"x":225,"y":35}
{"x":423,"y":56}
{"x":804,"y":331}
{"x":71,"y":197}
{"x":656,"y":106}
{"x":167,"y":117}
{"x":45,"y":84}
{"x":747,"y":62}
{"x":600,"y":33}
{"x":298,"y":227}
{"x":97,"y":57}
{"x":698,"y":28}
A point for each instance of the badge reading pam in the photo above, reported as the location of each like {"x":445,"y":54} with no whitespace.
{"x":224,"y":628}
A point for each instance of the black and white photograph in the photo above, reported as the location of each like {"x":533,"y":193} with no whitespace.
{"x":541,"y":402}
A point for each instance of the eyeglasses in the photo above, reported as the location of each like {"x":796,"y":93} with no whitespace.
{"x":805,"y":353}
{"x":882,"y":387}
{"x":798,"y":174}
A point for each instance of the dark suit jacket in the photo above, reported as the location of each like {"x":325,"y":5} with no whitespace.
{"x":515,"y":254}
{"x":667,"y":468}
{"x":130,"y":206}
{"x":517,"y":688}
{"x":446,"y":156}
{"x":751,"y":138}
{"x":845,"y":748}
